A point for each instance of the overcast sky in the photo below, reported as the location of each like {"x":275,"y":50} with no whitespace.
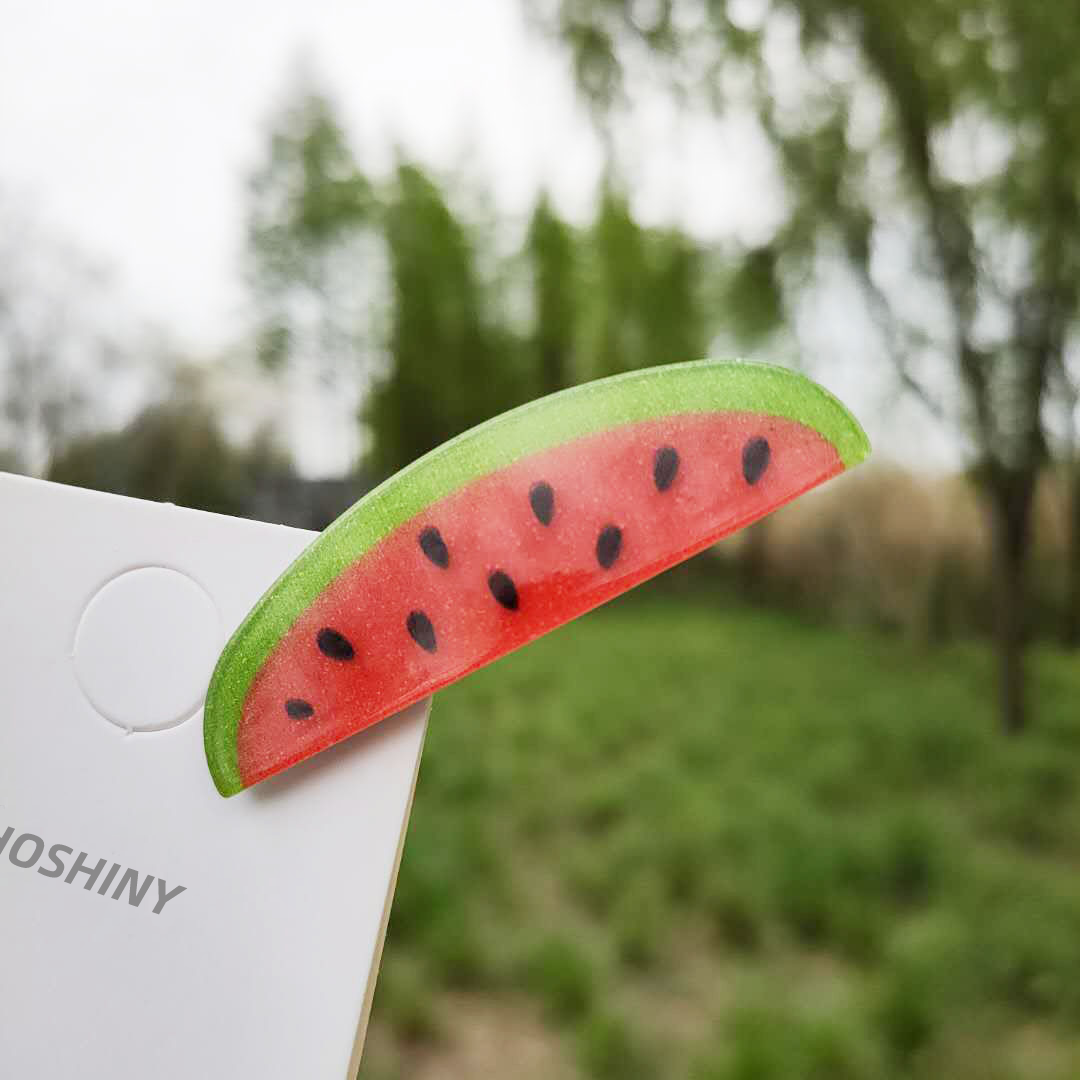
{"x":131,"y":126}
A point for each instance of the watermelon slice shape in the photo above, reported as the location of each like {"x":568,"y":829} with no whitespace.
{"x":504,"y":533}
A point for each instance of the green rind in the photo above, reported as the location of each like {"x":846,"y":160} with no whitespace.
{"x":695,"y":387}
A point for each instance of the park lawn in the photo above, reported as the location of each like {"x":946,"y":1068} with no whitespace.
{"x":684,"y":838}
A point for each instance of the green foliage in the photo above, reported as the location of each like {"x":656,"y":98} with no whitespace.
{"x":432,"y":913}
{"x":320,"y":186}
{"x":766,"y":1045}
{"x":405,"y":1002}
{"x":637,"y":925}
{"x":754,"y":299}
{"x":310,"y":206}
{"x":767,"y":850}
{"x":609,"y":1050}
{"x":450,"y":368}
{"x":174,"y":452}
{"x":552,"y":252}
{"x":559,"y":974}
{"x":673,"y":315}
{"x":734,"y":915}
{"x":1032,"y":800}
{"x":645,"y":290}
{"x":1003,"y":69}
{"x":388,"y":293}
{"x":912,"y":858}
{"x":907,"y":1016}
{"x":923,"y":148}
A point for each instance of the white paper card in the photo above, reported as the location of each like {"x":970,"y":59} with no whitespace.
{"x":236,"y":937}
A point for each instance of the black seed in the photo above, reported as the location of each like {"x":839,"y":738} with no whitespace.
{"x":434,"y":547}
{"x":665,"y":466}
{"x":421,"y":630}
{"x":542,"y":500}
{"x":336,"y":646}
{"x":608,"y":545}
{"x":504,"y":590}
{"x":299,"y":710}
{"x":755,"y":459}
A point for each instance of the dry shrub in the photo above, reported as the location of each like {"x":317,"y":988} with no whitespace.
{"x":899,"y":550}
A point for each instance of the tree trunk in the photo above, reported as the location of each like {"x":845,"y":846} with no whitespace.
{"x":1011,"y":497}
{"x":1071,"y":625}
{"x":753,"y":559}
{"x":553,"y":366}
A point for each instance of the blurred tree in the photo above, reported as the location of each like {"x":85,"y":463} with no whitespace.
{"x":550,"y":248}
{"x":1069,"y":396}
{"x":673,"y":315}
{"x":754,"y":301}
{"x":54,"y":348}
{"x":174,"y":451}
{"x":934,"y":147}
{"x":334,"y":260}
{"x":314,"y":257}
{"x":642,"y":304}
{"x":617,"y":288}
{"x":451,"y":364}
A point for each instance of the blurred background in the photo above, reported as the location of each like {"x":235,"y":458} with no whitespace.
{"x":805,"y":807}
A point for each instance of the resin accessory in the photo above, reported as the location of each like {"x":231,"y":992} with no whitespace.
{"x":505,"y":533}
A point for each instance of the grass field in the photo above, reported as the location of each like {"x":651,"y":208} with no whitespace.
{"x":678,"y":839}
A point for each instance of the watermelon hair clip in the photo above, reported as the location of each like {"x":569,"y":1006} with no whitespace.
{"x":505,"y":533}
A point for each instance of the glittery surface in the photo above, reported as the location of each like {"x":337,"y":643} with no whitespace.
{"x":606,"y":450}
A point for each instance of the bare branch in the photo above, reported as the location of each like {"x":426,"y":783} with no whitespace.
{"x":893,"y":335}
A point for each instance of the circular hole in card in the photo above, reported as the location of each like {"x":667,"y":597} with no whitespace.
{"x":145,"y":648}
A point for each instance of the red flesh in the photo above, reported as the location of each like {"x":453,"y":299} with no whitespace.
{"x":489,"y":525}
